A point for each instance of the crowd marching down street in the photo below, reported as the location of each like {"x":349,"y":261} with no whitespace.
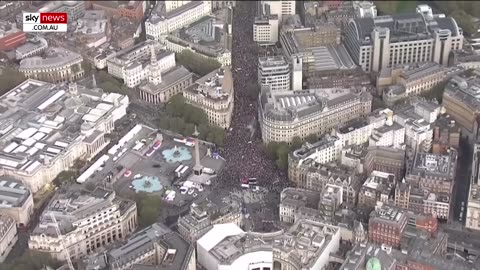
{"x":242,"y":151}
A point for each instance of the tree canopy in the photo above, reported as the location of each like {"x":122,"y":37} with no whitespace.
{"x":110,"y":84}
{"x":31,"y":260}
{"x":149,"y":208}
{"x":196,"y":63}
{"x":182,"y":118}
{"x":10,"y":78}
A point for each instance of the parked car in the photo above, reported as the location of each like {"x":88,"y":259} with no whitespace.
{"x":127,"y":173}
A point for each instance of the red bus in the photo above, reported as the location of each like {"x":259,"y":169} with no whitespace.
{"x":157,"y":145}
{"x":150,"y":152}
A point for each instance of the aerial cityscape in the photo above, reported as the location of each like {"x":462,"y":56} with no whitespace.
{"x":239,"y":135}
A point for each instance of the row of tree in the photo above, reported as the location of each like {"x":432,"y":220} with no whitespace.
{"x":182,"y":118}
{"x":279,"y":151}
{"x":196,"y":63}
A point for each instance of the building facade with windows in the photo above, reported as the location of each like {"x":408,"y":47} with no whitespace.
{"x":384,"y":41}
{"x":285,"y":115}
{"x":88,"y":221}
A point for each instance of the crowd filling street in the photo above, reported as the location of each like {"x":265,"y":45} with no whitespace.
{"x":242,"y":151}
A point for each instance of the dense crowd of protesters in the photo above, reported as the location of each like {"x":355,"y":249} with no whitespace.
{"x":242,"y":151}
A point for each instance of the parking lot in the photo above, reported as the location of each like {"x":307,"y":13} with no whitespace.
{"x":114,"y":172}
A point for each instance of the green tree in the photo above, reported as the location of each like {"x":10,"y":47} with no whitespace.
{"x":271,"y":150}
{"x":10,"y":78}
{"x":149,"y":208}
{"x":196,"y":63}
{"x":312,"y":138}
{"x":65,"y":178}
{"x":31,"y":260}
{"x":296,"y":143}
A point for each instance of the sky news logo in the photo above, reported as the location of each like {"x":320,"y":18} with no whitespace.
{"x":45,"y":22}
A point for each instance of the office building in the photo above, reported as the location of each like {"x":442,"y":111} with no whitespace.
{"x":402,"y":81}
{"x":43,"y":137}
{"x":319,"y":47}
{"x":10,"y":36}
{"x":205,"y":215}
{"x":282,"y":8}
{"x":74,"y":9}
{"x":274,"y":71}
{"x":214,"y":94}
{"x":305,"y":245}
{"x":324,"y":151}
{"x":446,"y":134}
{"x":365,"y":9}
{"x":387,"y":225}
{"x":209,"y":37}
{"x":93,"y":29}
{"x":349,"y":78}
{"x":222,"y":4}
{"x":472,"y":220}
{"x":285,"y":115}
{"x":461,"y":101}
{"x":8,"y":236}
{"x":31,"y":48}
{"x":315,"y":176}
{"x":265,"y":29}
{"x":88,"y":222}
{"x":155,"y":247}
{"x":434,"y":172}
{"x":16,"y":201}
{"x":385,"y":41}
{"x":378,"y":187}
{"x":172,"y":5}
{"x":58,"y":65}
{"x":161,"y":22}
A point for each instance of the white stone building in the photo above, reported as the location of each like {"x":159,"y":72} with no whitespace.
{"x":8,"y":236}
{"x":214,"y":94}
{"x":385,"y":41}
{"x":57,"y":66}
{"x":274,"y":71}
{"x":305,"y":245}
{"x":284,"y":115}
{"x":16,"y":201}
{"x":161,"y":22}
{"x":46,"y":127}
{"x":88,"y":221}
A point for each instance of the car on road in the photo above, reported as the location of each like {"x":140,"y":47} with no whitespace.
{"x":127,"y":173}
{"x":200,"y":188}
{"x":183,"y":190}
{"x":137,"y":176}
{"x":190,"y":191}
{"x":195,"y":195}
{"x":156,"y":165}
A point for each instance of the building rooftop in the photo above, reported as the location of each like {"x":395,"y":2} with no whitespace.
{"x":178,"y":250}
{"x":217,"y":85}
{"x":302,"y":243}
{"x":300,"y":198}
{"x":466,"y":90}
{"x":13,"y":193}
{"x":53,"y":58}
{"x":41,"y":121}
{"x":405,"y":27}
{"x":208,"y":36}
{"x":435,"y":165}
{"x":389,"y":214}
{"x":7,"y":28}
{"x":94,"y":22}
{"x":169,"y":78}
{"x":379,"y":182}
{"x":71,"y":208}
{"x":159,"y":12}
{"x":272,"y":61}
{"x":308,"y":150}
{"x":289,"y":105}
